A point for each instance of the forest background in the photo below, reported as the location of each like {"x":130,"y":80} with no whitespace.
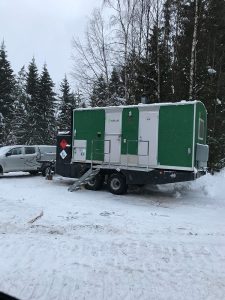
{"x":134,"y":51}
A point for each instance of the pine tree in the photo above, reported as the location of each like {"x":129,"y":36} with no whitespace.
{"x":47,"y":124}
{"x":7,"y":84}
{"x":68,"y":101}
{"x":34,"y":113}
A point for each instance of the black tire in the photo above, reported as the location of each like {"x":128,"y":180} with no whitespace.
{"x":96,"y":183}
{"x":46,"y":171}
{"x":1,"y":171}
{"x":33,"y":173}
{"x":117,"y":184}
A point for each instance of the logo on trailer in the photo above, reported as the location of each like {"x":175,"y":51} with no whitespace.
{"x":63,"y":154}
{"x":63,"y":144}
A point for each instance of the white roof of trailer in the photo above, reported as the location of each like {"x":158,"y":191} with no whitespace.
{"x":183,"y":102}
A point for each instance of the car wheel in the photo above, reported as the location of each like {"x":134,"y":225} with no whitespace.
{"x":95,"y":183}
{"x":117,"y":184}
{"x":1,"y":171}
{"x":46,"y":171}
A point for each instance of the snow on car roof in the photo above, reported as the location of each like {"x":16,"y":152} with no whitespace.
{"x":4,"y":149}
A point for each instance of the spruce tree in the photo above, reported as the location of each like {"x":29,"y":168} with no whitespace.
{"x":100,"y":95}
{"x":167,"y":90}
{"x":208,"y":70}
{"x":18,"y":134}
{"x":116,"y":91}
{"x":7,"y":85}
{"x":2,"y":129}
{"x":149,"y":67}
{"x":34,"y":113}
{"x":68,"y":101}
{"x":134,"y":78}
{"x":47,"y":124}
{"x":183,"y":44}
{"x":212,"y":81}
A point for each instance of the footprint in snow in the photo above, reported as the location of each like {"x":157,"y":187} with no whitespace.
{"x":106,"y":214}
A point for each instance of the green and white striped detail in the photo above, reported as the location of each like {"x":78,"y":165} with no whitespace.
{"x":157,"y":136}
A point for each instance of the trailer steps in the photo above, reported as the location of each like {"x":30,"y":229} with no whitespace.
{"x":90,"y":174}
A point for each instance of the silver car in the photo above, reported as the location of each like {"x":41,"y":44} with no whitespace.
{"x":24,"y":158}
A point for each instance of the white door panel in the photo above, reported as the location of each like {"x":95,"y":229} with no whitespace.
{"x":15,"y":161}
{"x":30,"y":158}
{"x":148,"y":138}
{"x":112,"y":147}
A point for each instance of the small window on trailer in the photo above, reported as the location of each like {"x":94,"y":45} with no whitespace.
{"x":201,"y":129}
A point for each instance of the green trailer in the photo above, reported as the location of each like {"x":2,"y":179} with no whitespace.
{"x":139,"y":144}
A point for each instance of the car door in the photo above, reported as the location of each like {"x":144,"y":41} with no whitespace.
{"x":14,"y":160}
{"x":30,"y":158}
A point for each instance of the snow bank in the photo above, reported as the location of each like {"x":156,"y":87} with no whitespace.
{"x":212,"y":186}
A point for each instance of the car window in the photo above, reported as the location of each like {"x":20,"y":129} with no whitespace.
{"x":30,"y":150}
{"x":16,"y":151}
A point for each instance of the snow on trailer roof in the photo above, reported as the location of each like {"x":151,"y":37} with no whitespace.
{"x":182,"y":102}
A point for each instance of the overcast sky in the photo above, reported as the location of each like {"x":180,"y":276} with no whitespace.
{"x":43,"y":29}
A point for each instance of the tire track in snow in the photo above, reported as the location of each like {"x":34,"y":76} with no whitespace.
{"x":119,"y":269}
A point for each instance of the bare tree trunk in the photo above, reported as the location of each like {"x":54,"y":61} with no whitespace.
{"x":158,"y":53}
{"x":193,"y":49}
{"x":124,"y":16}
{"x":141,"y":28}
{"x":148,"y":8}
{"x":92,"y":58}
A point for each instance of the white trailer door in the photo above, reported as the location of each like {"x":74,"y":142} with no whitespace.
{"x":148,"y":137}
{"x":112,"y":144}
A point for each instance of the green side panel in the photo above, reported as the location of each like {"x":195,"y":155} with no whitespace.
{"x":90,"y":125}
{"x":130,"y":124}
{"x":175,"y":135}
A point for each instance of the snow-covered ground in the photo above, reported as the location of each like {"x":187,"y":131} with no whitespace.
{"x":166,"y":243}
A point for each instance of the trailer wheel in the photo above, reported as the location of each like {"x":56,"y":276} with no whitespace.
{"x":96,"y":183}
{"x":117,"y":184}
